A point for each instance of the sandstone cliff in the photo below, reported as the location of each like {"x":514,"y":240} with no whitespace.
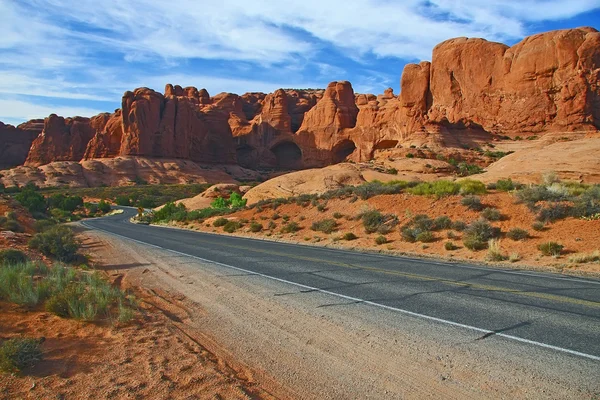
{"x":15,"y":142}
{"x":471,"y":88}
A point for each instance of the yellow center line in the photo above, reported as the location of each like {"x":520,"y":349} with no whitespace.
{"x":538,"y":295}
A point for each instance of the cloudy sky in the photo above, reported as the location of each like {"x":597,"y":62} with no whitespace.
{"x":77,"y":57}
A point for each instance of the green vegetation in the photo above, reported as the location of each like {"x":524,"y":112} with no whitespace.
{"x":471,"y":187}
{"x":235,"y":201}
{"x":425,"y":237}
{"x":220,"y":222}
{"x":472,"y":203}
{"x":517,"y":234}
{"x":551,"y":249}
{"x":18,"y":354}
{"x":58,"y":242}
{"x":256,"y":227}
{"x":325,"y":226}
{"x":538,"y":226}
{"x":379,"y":240}
{"x":478,"y":233}
{"x":581,"y":258}
{"x":465,"y":169}
{"x":232,"y":226}
{"x":349,"y":236}
{"x":337,"y":215}
{"x":450,"y":246}
{"x":491,"y":214}
{"x":9,"y":222}
{"x":497,"y":154}
{"x":495,"y":251}
{"x":419,"y":228}
{"x":438,"y":189}
{"x":290,"y":227}
{"x":505,"y":185}
{"x":374,"y":221}
{"x":12,"y":256}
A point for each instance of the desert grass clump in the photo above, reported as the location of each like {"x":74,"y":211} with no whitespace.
{"x":19,"y":353}
{"x":581,"y":258}
{"x":425,"y":237}
{"x":442,"y":222}
{"x":325,"y":226}
{"x":379,"y":240}
{"x":290,"y":227}
{"x":58,"y":242}
{"x":471,"y":187}
{"x":12,"y":256}
{"x":491,"y":214}
{"x":459,"y":226}
{"x":338,"y":215}
{"x":374,"y":221}
{"x":256,"y":227}
{"x":514,"y":257}
{"x":472,"y":203}
{"x":554,"y":212}
{"x":538,"y":226}
{"x":19,"y":283}
{"x":450,"y":246}
{"x":438,"y":189}
{"x":349,"y":236}
{"x":505,"y":185}
{"x":219,"y":222}
{"x":477,"y":235}
{"x":550,"y":249}
{"x":495,"y":251}
{"x":517,"y":234}
{"x":232,"y":226}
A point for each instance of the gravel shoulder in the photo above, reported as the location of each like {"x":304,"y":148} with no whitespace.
{"x":307,"y":345}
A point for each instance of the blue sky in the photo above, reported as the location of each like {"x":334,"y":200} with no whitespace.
{"x":77,"y":57}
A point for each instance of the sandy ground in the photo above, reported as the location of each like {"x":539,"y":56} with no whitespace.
{"x":222,"y":321}
{"x":577,"y":236}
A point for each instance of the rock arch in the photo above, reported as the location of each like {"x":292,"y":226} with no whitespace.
{"x":342,"y":150}
{"x":287,"y":154}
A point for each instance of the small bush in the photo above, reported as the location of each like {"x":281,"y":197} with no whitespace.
{"x":272,"y":225}
{"x":554,"y":212}
{"x":491,"y":214}
{"x":372,"y":220}
{"x":514,"y":257}
{"x":471,"y":187}
{"x":325,"y":226}
{"x":58,"y":242}
{"x":425,"y":237}
{"x":465,"y":169}
{"x":12,"y":256}
{"x":290,"y":227}
{"x":495,"y":251}
{"x":410,"y":155}
{"x":581,"y":258}
{"x":18,"y":354}
{"x":517,"y":234}
{"x":337,"y":215}
{"x":322,"y":207}
{"x":450,"y":246}
{"x":472,"y":203}
{"x":232,"y":226}
{"x":381,"y":240}
{"x":505,"y":185}
{"x":439,"y":188}
{"x":442,"y":222}
{"x":477,"y":235}
{"x":220,"y":222}
{"x":349,"y":236}
{"x":459,"y":225}
{"x":123,"y":200}
{"x":550,"y":248}
{"x":104,"y":207}
{"x":538,"y":226}
{"x":256,"y":227}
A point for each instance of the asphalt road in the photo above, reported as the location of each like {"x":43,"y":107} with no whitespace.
{"x":556,"y":312}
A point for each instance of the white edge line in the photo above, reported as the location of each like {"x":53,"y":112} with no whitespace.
{"x":362,"y":301}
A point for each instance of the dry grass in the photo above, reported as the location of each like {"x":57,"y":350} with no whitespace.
{"x":581,"y":258}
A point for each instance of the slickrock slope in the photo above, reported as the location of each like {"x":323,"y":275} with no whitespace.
{"x":472,"y":88}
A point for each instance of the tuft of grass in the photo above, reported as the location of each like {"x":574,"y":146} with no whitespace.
{"x":232,"y":226}
{"x":491,"y":214}
{"x":450,"y":246}
{"x":322,"y":207}
{"x":325,"y":226}
{"x":12,"y":256}
{"x":379,"y":240}
{"x":471,"y":187}
{"x":459,"y":226}
{"x":219,"y":222}
{"x":505,"y":185}
{"x":472,"y":203}
{"x":442,"y":222}
{"x":538,"y":226}
{"x":58,"y":242}
{"x":514,"y":257}
{"x":495,"y":251}
{"x":438,"y":189}
{"x":581,"y":258}
{"x":550,"y":248}
{"x":477,"y":235}
{"x":425,"y":237}
{"x":256,"y":227}
{"x":349,"y":236}
{"x":338,"y":215}
{"x":517,"y":234}
{"x":290,"y":227}
{"x":19,"y":353}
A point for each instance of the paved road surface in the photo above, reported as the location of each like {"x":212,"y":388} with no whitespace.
{"x":551,"y":311}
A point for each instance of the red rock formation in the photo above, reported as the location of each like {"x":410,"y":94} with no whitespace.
{"x":16,"y":141}
{"x":61,"y":140}
{"x":107,"y":140}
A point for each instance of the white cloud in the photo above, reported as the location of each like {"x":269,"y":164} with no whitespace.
{"x":16,"y":111}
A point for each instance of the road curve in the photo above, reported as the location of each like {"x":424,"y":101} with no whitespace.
{"x":556,"y":312}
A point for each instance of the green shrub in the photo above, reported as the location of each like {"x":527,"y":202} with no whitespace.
{"x":103,"y":206}
{"x":381,"y":240}
{"x":472,"y":203}
{"x":505,"y":185}
{"x":123,"y":200}
{"x":391,"y":171}
{"x":349,"y":236}
{"x":236,"y":200}
{"x":459,"y":225}
{"x":232,"y":226}
{"x":550,"y":248}
{"x":372,"y":220}
{"x":517,"y":234}
{"x":410,"y":155}
{"x":337,"y":215}
{"x":275,"y":216}
{"x":491,"y":214}
{"x":465,"y":169}
{"x":322,"y":207}
{"x":441,"y":223}
{"x":477,"y":235}
{"x":17,"y":283}
{"x":12,"y":256}
{"x":471,"y":187}
{"x":272,"y":225}
{"x":32,"y":200}
{"x":450,"y":246}
{"x":290,"y":227}
{"x":19,"y":353}
{"x":65,"y":202}
{"x":554,"y":212}
{"x":533,"y":194}
{"x":587,"y":204}
{"x":538,"y":226}
{"x":439,"y":188}
{"x":170,"y":212}
{"x":220,"y":222}
{"x":425,"y":237}
{"x":325,"y":226}
{"x":409,"y":234}
{"x":13,"y":225}
{"x":256,"y":227}
{"x":58,"y":242}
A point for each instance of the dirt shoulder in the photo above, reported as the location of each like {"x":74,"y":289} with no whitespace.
{"x":306,"y":346}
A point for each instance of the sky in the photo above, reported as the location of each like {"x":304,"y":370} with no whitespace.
{"x":77,"y":57}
